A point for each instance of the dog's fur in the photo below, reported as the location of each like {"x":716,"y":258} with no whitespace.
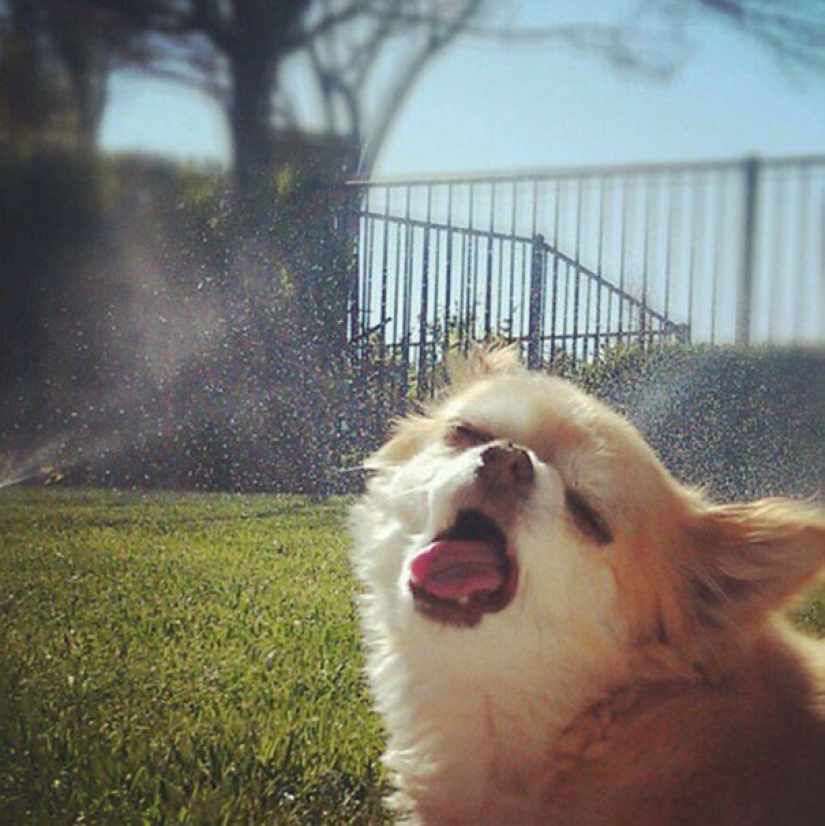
{"x":630,"y":669}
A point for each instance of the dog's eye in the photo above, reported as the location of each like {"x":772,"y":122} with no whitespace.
{"x":589,"y":521}
{"x":464,"y":436}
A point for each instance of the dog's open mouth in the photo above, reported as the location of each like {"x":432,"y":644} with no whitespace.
{"x":464,"y":572}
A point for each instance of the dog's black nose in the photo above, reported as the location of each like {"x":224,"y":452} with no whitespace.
{"x":505,"y":465}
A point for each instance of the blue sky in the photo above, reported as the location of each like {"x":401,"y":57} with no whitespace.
{"x":487,"y":107}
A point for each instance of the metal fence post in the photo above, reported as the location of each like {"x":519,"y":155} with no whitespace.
{"x":534,"y":325}
{"x":744,"y":302}
{"x":353,"y":207}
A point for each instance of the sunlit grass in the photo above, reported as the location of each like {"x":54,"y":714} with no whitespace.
{"x":185,"y":657}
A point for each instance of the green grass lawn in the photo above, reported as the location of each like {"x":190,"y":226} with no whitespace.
{"x":180,"y":657}
{"x":185,"y":658}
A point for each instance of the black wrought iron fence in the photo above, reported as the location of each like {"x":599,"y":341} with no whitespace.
{"x":576,"y":311}
{"x":573,"y":261}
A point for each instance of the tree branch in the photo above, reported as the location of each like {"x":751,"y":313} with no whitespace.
{"x":794,"y":31}
{"x":397,"y":93}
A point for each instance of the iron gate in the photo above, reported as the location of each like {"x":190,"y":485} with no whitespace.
{"x":571,"y":262}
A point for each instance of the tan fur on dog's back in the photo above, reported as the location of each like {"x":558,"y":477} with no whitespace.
{"x":743,"y":741}
{"x":723,"y":719}
{"x":668,"y":689}
{"x":748,"y":747}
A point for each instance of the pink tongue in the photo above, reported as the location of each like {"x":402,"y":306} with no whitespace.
{"x":457,"y":568}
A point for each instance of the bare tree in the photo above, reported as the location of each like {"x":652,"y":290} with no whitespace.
{"x":793,"y":29}
{"x":347,"y":63}
{"x":28,"y":98}
{"x":345,"y":67}
{"x":262,"y":59}
{"x":56,"y":57}
{"x":655,"y":36}
{"x":88,"y":42}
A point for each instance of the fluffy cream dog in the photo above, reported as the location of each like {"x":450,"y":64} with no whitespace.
{"x":558,"y":632}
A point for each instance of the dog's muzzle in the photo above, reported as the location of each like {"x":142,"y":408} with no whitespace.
{"x":468,"y":570}
{"x":506,"y":467}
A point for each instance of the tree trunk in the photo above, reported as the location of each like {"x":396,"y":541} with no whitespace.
{"x":87,"y":76}
{"x":252,"y":79}
{"x":261,"y":28}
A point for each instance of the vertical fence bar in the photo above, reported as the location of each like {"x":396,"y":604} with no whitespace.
{"x":719,"y":233}
{"x":610,"y":299}
{"x":554,"y":306}
{"x":354,"y":303}
{"x":406,"y":322}
{"x":600,"y":269}
{"x":366,"y":287}
{"x":587,"y":321}
{"x":512,"y":295}
{"x":448,"y":272}
{"x":778,"y":247}
{"x":650,"y":217}
{"x":533,"y":262}
{"x":623,"y":254}
{"x":804,"y":190}
{"x":577,"y":276}
{"x":499,"y":302}
{"x":433,"y":337}
{"x":469,"y":292}
{"x":488,"y":286}
{"x":462,"y":288}
{"x":744,"y":303}
{"x":819,"y":281}
{"x":385,"y":275}
{"x":674,"y":197}
{"x":526,"y":264}
{"x":424,"y":301}
{"x":537,"y":258}
{"x":696,"y":238}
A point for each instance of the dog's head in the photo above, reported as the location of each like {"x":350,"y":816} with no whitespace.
{"x":519,"y":504}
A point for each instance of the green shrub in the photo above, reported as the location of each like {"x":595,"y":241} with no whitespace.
{"x":741,"y":423}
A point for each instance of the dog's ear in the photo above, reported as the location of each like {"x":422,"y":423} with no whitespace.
{"x":748,"y":560}
{"x":482,"y":361}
